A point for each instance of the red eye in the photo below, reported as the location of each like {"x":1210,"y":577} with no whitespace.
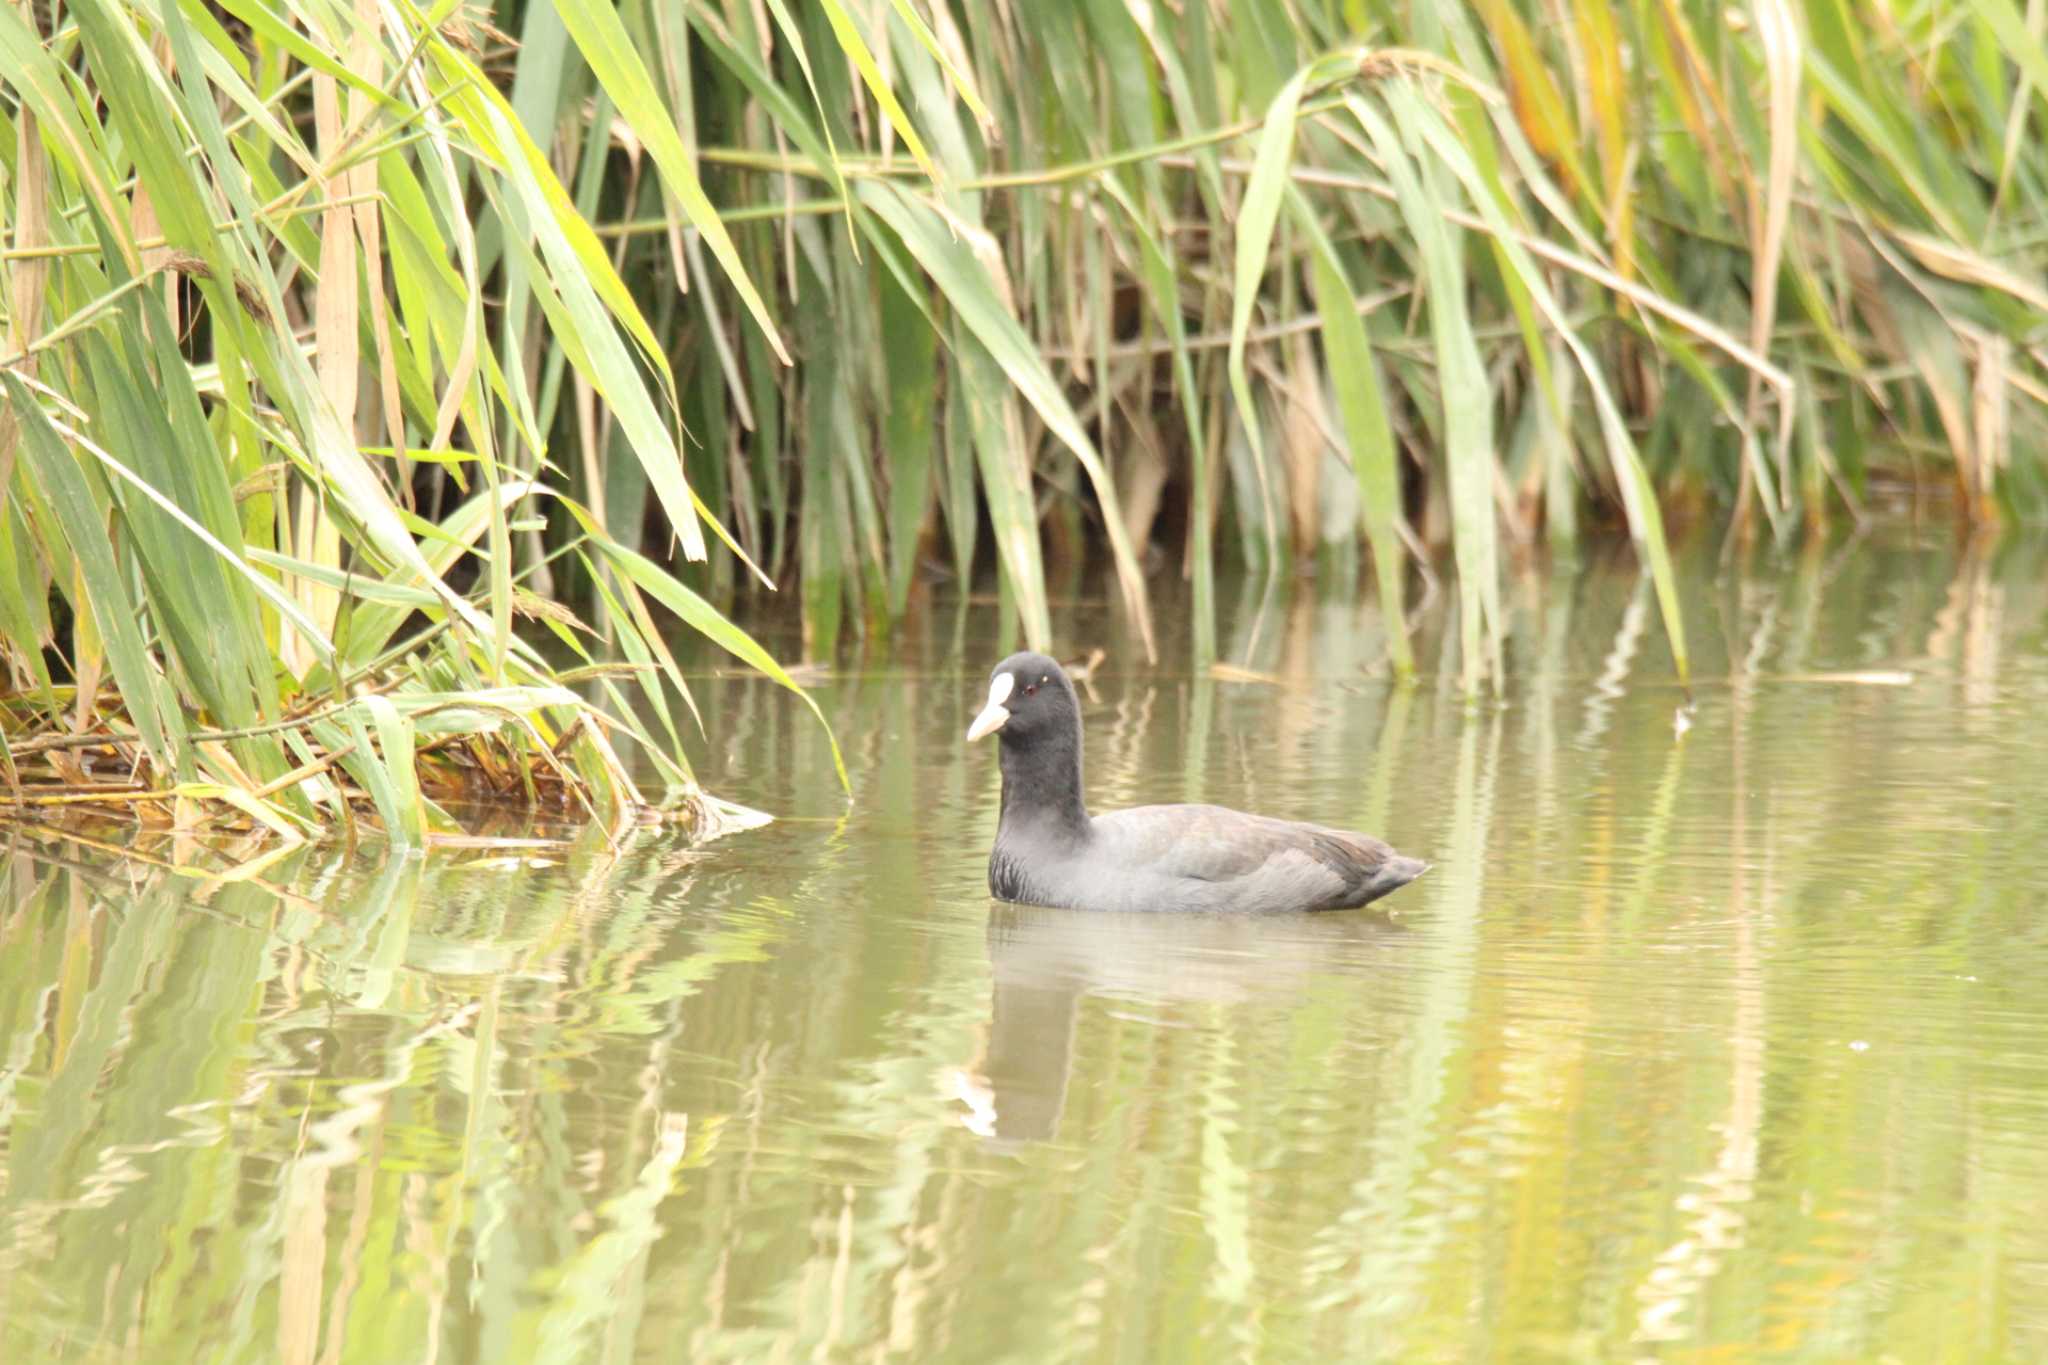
{"x":1031,"y":690}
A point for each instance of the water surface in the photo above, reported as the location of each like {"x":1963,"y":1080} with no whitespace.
{"x":1722,"y":1033}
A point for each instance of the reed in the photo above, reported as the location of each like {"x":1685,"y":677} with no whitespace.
{"x":380,"y":382}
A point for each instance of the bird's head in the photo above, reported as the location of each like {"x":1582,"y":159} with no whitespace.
{"x":1029,"y":697}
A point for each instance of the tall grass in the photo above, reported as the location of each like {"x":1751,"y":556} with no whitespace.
{"x":1523,"y":270}
{"x":290,"y":304}
{"x":344,"y":344}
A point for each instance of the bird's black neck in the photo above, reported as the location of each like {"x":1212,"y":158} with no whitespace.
{"x":1042,"y":784}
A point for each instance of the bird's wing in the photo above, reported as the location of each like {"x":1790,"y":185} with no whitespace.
{"x":1213,"y":844}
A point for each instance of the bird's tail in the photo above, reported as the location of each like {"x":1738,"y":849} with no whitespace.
{"x":1394,"y":874}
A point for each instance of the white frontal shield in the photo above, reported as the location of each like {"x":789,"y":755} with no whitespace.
{"x":995,"y":713}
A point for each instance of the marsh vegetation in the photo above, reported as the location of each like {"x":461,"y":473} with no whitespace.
{"x":381,"y":387}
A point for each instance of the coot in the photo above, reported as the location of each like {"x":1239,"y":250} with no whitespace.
{"x":1050,"y":851}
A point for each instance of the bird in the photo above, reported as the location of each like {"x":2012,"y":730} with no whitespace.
{"x":1050,"y":851}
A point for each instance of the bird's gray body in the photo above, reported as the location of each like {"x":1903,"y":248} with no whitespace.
{"x":1192,"y":858}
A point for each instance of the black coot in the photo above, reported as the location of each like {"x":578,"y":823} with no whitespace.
{"x":1050,"y":851}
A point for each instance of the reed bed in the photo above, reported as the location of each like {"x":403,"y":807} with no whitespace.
{"x":383,"y":386}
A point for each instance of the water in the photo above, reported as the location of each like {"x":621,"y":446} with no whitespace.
{"x":1733,"y":1043}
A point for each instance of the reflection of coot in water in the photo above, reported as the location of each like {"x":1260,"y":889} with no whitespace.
{"x":1045,"y":964}
{"x":1050,"y":851}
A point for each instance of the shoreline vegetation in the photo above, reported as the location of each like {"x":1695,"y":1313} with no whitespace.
{"x":382,"y":389}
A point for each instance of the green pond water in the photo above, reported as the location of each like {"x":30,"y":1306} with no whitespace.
{"x":1728,"y":1044}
